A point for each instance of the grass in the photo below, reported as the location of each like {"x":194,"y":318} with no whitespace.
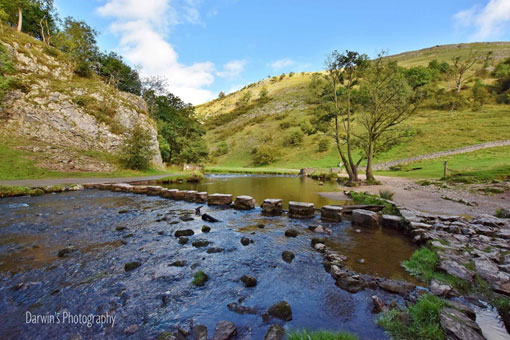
{"x":319,"y":335}
{"x":476,"y":166}
{"x":386,"y":194}
{"x":423,"y":264}
{"x":422,"y":321}
{"x":260,"y":171}
{"x":194,"y":176}
{"x":369,"y":199}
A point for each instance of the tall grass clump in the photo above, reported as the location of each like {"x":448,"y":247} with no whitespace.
{"x":319,"y":335}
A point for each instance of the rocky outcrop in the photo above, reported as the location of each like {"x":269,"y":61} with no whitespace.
{"x":63,"y":115}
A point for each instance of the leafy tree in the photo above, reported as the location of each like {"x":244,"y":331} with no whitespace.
{"x":294,"y":138}
{"x":263,"y":95}
{"x":386,"y":100}
{"x":420,"y":76}
{"x":118,"y":73}
{"x":78,"y":40}
{"x":137,"y":153}
{"x":480,"y":94}
{"x":316,"y":87}
{"x":221,"y":94}
{"x":265,"y":154}
{"x":323,"y":145}
{"x":244,"y":100}
{"x":443,"y":67}
{"x":27,"y":15}
{"x":344,"y":73}
{"x":221,"y":149}
{"x":3,"y":17}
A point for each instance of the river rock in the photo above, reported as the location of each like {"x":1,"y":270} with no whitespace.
{"x":168,"y":193}
{"x":245,"y":241}
{"x":438,"y":288}
{"x":396,"y":286}
{"x":201,"y":197}
{"x":184,"y":232}
{"x":301,"y":209}
{"x":214,"y":250}
{"x":349,"y":284}
{"x":249,"y":281}
{"x":66,"y":251}
{"x":154,"y":190}
{"x":275,"y":332}
{"x":206,"y":229}
{"x":219,"y":199}
{"x":183,"y":240}
{"x":178,"y":263}
{"x":186,"y":218}
{"x":320,"y":247}
{"x":392,"y":222}
{"x":225,"y":330}
{"x":379,"y":306}
{"x":200,"y":243}
{"x":209,"y":218}
{"x":281,"y":310}
{"x":272,"y":206}
{"x":287,"y":256}
{"x":244,"y":203}
{"x":456,"y":269}
{"x":458,"y":326}
{"x":131,"y":266}
{"x":140,"y":189}
{"x":189,"y":196}
{"x":239,"y":309}
{"x":291,"y":233}
{"x":365,"y":218}
{"x":331,"y":213}
{"x":131,"y":329}
{"x":199,"y":332}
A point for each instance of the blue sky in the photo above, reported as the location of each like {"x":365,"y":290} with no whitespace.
{"x":204,"y":47}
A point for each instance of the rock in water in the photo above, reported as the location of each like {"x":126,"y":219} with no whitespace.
{"x":275,"y":332}
{"x":206,"y":229}
{"x":66,"y":251}
{"x":183,"y":240}
{"x":200,"y":243}
{"x":131,"y":266}
{"x":291,"y":233}
{"x":365,"y":218}
{"x":458,"y":326}
{"x":287,"y":256}
{"x":209,"y":218}
{"x":225,"y":330}
{"x":245,"y":241}
{"x":249,"y":281}
{"x":185,"y":232}
{"x":199,"y":332}
{"x":281,"y":310}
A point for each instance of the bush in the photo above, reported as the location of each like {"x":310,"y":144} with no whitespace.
{"x":221,"y":149}
{"x":284,"y":125}
{"x":295,"y":138}
{"x":366,"y":198}
{"x":137,"y":153}
{"x":323,"y":145}
{"x":265,"y":154}
{"x":307,"y":127}
{"x":83,"y":69}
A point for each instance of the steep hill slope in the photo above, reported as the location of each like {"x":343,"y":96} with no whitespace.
{"x":59,"y":121}
{"x":234,"y":134}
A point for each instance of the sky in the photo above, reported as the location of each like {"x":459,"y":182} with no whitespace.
{"x":203,"y":47}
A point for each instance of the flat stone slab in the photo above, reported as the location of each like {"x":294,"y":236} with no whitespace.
{"x":201,"y":197}
{"x":392,"y":222}
{"x":365,"y":218}
{"x":168,"y":193}
{"x":244,"y":203}
{"x":219,"y":199}
{"x":179,"y":195}
{"x":189,"y":196}
{"x":154,"y":189}
{"x":331,"y":213}
{"x":301,"y":209}
{"x":140,"y":189}
{"x":272,"y":206}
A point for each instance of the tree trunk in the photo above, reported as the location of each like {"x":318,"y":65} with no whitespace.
{"x":20,"y":19}
{"x":370,"y":157}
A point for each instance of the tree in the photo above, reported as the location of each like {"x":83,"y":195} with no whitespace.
{"x":263,"y":95}
{"x":116,"y":72}
{"x":3,"y":17}
{"x":78,"y":40}
{"x":137,"y":152}
{"x":344,"y":72}
{"x":221,"y":94}
{"x":458,"y":73}
{"x":26,"y":15}
{"x":386,"y":100}
{"x":244,"y":100}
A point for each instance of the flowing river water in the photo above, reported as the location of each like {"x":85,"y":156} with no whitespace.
{"x":160,"y":297}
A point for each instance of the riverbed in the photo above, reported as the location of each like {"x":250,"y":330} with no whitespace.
{"x":157,"y":296}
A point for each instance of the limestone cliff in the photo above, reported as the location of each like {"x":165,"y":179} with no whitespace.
{"x":68,"y":122}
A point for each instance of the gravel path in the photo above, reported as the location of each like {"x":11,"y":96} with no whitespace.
{"x":428,"y":198}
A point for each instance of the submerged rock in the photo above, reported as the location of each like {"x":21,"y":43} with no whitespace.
{"x":206,"y":229}
{"x":209,"y":218}
{"x":200,"y":243}
{"x":186,"y":218}
{"x":237,"y":308}
{"x":225,"y":330}
{"x":214,"y":250}
{"x":184,"y":232}
{"x":395,"y":286}
{"x":131,"y":329}
{"x":288,"y":256}
{"x":131,"y":266}
{"x":275,"y":332}
{"x":66,"y":251}
{"x":350,"y":284}
{"x":199,"y":332}
{"x":245,"y":241}
{"x":178,"y":264}
{"x":120,"y":228}
{"x":291,"y":233}
{"x":249,"y":281}
{"x":183,"y":240}
{"x":281,"y":310}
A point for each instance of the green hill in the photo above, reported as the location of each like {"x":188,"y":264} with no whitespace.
{"x":234,"y":134}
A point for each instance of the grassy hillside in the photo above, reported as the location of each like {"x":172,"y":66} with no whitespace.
{"x":234,"y":134}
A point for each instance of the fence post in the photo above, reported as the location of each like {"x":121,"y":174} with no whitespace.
{"x":445,"y":167}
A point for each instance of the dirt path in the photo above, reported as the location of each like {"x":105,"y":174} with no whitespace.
{"x":56,"y":181}
{"x":428,"y":198}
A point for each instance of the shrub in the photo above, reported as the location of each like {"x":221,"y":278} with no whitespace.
{"x":294,"y":138}
{"x":221,"y":149}
{"x":137,"y":153}
{"x":366,"y":198}
{"x":307,"y":127}
{"x":386,"y":194}
{"x":323,"y":145}
{"x":83,"y":69}
{"x":265,"y":154}
{"x":284,"y":125}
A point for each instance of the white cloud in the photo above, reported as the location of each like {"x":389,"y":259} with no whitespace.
{"x":281,"y":63}
{"x":232,"y":69}
{"x":489,"y":22}
{"x":142,"y":25}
